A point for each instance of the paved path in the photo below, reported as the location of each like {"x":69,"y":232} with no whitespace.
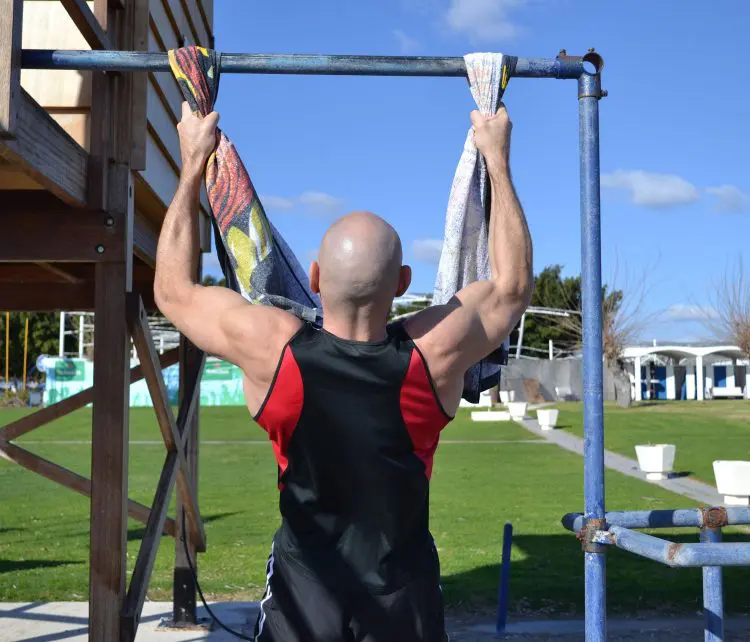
{"x":67,"y":621}
{"x":698,"y":491}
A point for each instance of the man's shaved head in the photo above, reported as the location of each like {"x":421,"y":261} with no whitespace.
{"x":360,"y":263}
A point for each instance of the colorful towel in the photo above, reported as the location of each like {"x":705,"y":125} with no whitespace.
{"x":255,"y":259}
{"x":465,"y":257}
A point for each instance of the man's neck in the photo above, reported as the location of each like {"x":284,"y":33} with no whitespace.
{"x":355,"y":327}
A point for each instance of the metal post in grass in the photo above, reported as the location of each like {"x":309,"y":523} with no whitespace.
{"x":502,"y":593}
{"x":713,"y":592}
{"x":589,"y":93}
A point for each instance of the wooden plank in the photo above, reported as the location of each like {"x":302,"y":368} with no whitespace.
{"x":190,"y":387}
{"x":37,"y":229}
{"x":72,"y":481}
{"x":176,"y":18}
{"x":11,"y":12}
{"x":163,"y":124}
{"x":184,"y":586}
{"x":53,"y":269}
{"x":45,"y":152}
{"x":144,"y":564}
{"x":145,"y":240}
{"x":207,"y":13}
{"x":140,"y":85}
{"x":109,"y":455}
{"x":144,"y":346}
{"x":19,"y":297}
{"x":75,"y":402}
{"x":194,"y":18}
{"x":87,"y":24}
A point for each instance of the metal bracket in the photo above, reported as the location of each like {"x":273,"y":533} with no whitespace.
{"x":588,"y":533}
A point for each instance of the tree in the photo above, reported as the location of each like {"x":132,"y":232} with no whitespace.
{"x":728,"y":319}
{"x":209,"y":280}
{"x":411,"y":308}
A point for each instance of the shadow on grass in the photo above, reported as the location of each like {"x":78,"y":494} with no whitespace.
{"x":549,"y":580}
{"x":10,"y":529}
{"x":135,"y":534}
{"x":8,"y":566}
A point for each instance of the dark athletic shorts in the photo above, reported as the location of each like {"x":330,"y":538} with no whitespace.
{"x":299,"y":607}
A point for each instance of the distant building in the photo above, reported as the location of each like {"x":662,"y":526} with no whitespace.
{"x":679,"y":371}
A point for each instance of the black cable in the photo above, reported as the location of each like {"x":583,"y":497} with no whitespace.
{"x":241,"y":636}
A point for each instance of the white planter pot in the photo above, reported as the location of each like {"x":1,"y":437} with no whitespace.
{"x":507,"y":396}
{"x":547,"y":418}
{"x":656,"y":460}
{"x":517,"y":409}
{"x":490,"y":415}
{"x":733,"y":481}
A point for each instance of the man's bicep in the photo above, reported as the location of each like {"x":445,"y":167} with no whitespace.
{"x":203,"y":317}
{"x":468,"y":328}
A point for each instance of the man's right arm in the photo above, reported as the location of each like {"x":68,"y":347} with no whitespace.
{"x":478,"y":319}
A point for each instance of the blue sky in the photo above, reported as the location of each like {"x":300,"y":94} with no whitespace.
{"x":674,"y":131}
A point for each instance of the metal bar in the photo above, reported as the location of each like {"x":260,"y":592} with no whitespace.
{"x":675,"y":555}
{"x":565,"y":67}
{"x":713,"y":592}
{"x":503,"y":595}
{"x":589,"y":92}
{"x":679,"y":518}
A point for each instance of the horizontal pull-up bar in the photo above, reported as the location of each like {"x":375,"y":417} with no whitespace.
{"x":561,"y":67}
{"x":715,"y":517}
{"x":672,"y":554}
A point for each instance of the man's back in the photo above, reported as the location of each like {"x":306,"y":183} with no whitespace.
{"x":354,"y":427}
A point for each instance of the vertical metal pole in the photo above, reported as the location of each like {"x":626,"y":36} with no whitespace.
{"x":589,"y":92}
{"x":502,"y":598}
{"x":520,"y":335}
{"x":62,"y":335}
{"x":713,"y":592}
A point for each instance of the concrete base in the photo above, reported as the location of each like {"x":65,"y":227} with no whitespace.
{"x":733,"y":500}
{"x":657,"y":476}
{"x":490,"y":415}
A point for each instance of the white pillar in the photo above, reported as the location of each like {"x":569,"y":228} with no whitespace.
{"x":551,"y":350}
{"x":671,"y":384}
{"x":62,"y":335}
{"x":699,"y":381}
{"x":730,"y":374}
{"x":161,"y":345}
{"x":690,"y":383}
{"x":638,"y":394}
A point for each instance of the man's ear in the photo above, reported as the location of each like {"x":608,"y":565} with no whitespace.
{"x":404,"y":280}
{"x":315,"y":277}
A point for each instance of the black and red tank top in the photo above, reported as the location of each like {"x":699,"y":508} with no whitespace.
{"x":354,"y":427}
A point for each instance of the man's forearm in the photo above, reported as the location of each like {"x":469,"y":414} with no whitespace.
{"x":509,"y":238}
{"x":179,"y":246}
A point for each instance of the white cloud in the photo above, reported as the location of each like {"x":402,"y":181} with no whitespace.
{"x":427,"y":250}
{"x":406,"y":43}
{"x":277,"y":203}
{"x":321,"y":202}
{"x":652,"y":190}
{"x":688,"y":312}
{"x":730,"y":198}
{"x":484,"y":20}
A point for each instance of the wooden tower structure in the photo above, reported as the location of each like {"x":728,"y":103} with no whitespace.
{"x":89,"y":162}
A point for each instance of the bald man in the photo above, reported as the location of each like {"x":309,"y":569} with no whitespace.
{"x":354,"y":409}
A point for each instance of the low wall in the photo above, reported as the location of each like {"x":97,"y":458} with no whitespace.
{"x":567,"y":373}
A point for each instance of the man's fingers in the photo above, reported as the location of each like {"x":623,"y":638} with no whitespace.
{"x":477,"y":118}
{"x":212,"y":119}
{"x":186,"y":111}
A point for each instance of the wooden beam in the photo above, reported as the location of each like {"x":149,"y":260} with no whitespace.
{"x":59,"y":233}
{"x":27,"y":423}
{"x":11,"y":12}
{"x":145,"y":240}
{"x":190,"y":386}
{"x":140,"y":88}
{"x":144,"y":346}
{"x":65,"y":276}
{"x":87,"y":24}
{"x":72,"y":481}
{"x":144,"y":564}
{"x":46,"y":153}
{"x":109,"y":455}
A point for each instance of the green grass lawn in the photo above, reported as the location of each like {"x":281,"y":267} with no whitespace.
{"x":476,"y":488}
{"x":702,"y":431}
